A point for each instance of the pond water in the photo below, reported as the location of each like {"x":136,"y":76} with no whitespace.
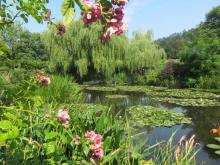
{"x":203,"y":119}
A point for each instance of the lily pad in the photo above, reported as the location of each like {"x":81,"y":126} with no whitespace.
{"x":189,"y":102}
{"x":184,"y":93}
{"x":116,"y":96}
{"x":156,"y":117}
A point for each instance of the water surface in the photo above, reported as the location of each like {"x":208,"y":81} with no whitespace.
{"x":203,"y":119}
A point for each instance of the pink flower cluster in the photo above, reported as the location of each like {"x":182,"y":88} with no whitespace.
{"x":44,"y":80}
{"x":64,"y":117}
{"x":96,"y":147}
{"x":93,"y":14}
{"x":114,"y":25}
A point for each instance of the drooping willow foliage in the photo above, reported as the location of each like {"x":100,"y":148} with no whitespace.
{"x":80,"y":52}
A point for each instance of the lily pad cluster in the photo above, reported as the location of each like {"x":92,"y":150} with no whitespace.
{"x":116,"y":96}
{"x":189,"y":102}
{"x":156,"y":117}
{"x":124,"y":88}
{"x":215,"y":147}
{"x":184,"y":93}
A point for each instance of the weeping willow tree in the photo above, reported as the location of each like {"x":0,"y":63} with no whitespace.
{"x":144,"y":53}
{"x":80,"y":52}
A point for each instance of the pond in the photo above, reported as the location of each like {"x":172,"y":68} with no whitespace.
{"x":203,"y":118}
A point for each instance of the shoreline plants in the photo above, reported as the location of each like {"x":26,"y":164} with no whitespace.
{"x":44,"y":125}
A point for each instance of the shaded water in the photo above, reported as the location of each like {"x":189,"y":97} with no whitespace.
{"x":203,"y":119}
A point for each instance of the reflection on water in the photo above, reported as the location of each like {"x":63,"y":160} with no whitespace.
{"x":203,"y":119}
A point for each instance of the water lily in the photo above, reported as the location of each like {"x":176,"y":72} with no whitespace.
{"x":216,"y":131}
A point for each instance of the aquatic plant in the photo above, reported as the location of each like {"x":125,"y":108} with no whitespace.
{"x":215,"y":147}
{"x":189,"y":102}
{"x":156,"y":117}
{"x":116,"y":96}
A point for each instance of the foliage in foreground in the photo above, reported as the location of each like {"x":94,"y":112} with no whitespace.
{"x":43,"y":124}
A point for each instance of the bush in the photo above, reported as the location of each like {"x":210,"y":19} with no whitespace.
{"x":208,"y":82}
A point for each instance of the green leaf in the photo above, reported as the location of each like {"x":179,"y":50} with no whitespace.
{"x":107,"y":142}
{"x":50,"y":135}
{"x":69,"y":16}
{"x":67,"y":4}
{"x":8,"y":131}
{"x":24,"y":17}
{"x":13,"y":133}
{"x":10,"y":116}
{"x":50,"y":147}
{"x":217,"y":139}
{"x":85,"y":149}
{"x":217,"y":152}
{"x":1,"y":52}
{"x":106,"y":3}
{"x":63,"y":138}
{"x":5,"y":124}
{"x":213,"y":146}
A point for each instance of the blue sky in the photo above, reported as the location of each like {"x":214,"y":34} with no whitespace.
{"x":163,"y":17}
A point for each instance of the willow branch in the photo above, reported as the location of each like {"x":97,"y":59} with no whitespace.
{"x":16,"y":15}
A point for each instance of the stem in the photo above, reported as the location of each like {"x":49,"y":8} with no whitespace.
{"x":0,"y":4}
{"x":16,"y":15}
{"x":81,"y":6}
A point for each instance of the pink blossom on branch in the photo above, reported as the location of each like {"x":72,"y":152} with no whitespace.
{"x":64,"y":117}
{"x":97,"y":154}
{"x":114,"y":29}
{"x":93,"y":14}
{"x":119,"y":13}
{"x":96,"y":148}
{"x":120,"y":2}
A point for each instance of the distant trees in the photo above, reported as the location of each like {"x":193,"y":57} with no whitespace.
{"x":25,"y":48}
{"x":80,"y":53}
{"x":198,"y":50}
